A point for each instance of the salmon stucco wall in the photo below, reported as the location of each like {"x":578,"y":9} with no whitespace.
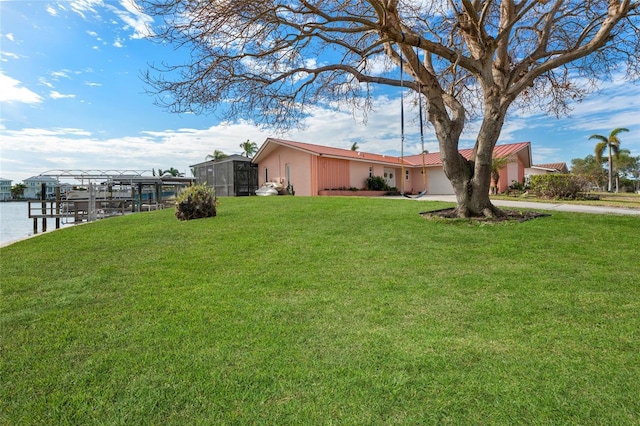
{"x":416,"y":183}
{"x":512,"y":171}
{"x":299,"y":164}
{"x":360,"y":173}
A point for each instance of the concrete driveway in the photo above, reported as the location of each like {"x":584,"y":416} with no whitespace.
{"x":540,"y":206}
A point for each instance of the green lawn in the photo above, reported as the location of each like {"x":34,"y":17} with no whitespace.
{"x":350,"y":311}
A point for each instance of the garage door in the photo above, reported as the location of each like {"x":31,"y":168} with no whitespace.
{"x":437,"y":182}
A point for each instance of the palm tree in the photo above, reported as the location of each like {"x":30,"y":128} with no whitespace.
{"x":171,"y":172}
{"x":613,"y":143}
{"x":497,"y":164}
{"x":355,"y":146}
{"x":217,"y":155}
{"x":248,"y":148}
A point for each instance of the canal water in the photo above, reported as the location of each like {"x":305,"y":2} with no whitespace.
{"x":15,"y":223}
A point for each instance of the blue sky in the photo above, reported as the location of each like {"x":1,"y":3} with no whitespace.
{"x":71,"y":97}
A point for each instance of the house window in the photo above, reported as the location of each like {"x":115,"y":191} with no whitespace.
{"x":371,"y":171}
{"x":406,"y":175}
{"x":266,"y":174}
{"x":287,"y":168}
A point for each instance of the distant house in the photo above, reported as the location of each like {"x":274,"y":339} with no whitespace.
{"x":33,"y":187}
{"x":234,"y":175}
{"x":310,"y":168}
{"x":5,"y":189}
{"x":544,"y":169}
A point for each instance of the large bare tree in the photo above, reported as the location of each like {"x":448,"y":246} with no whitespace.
{"x":272,"y":60}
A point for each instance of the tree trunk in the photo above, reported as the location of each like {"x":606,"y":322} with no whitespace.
{"x":610,"y":171}
{"x":471,"y":186}
{"x":471,"y":179}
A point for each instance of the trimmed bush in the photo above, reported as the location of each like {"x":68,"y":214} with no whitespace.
{"x":376,"y":183}
{"x":559,"y":186}
{"x":196,"y":202}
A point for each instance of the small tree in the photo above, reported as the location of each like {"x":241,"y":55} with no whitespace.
{"x":248,"y":148}
{"x":217,"y":155}
{"x":612,"y":142}
{"x":627,"y":167}
{"x":497,"y":164}
{"x":17,"y":190}
{"x":591,"y":169}
{"x":196,"y":202}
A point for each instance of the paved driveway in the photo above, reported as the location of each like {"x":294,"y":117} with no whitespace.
{"x":541,"y":206}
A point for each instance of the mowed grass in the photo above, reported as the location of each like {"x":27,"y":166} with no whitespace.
{"x":291,"y":310}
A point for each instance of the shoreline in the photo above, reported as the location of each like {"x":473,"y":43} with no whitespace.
{"x":8,"y":243}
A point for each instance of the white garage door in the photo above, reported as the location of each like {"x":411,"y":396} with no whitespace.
{"x":437,"y":182}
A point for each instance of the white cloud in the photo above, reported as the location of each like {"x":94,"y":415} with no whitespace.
{"x":9,"y":37}
{"x":64,"y":73}
{"x":56,"y":95}
{"x":51,"y":10}
{"x":8,"y":55}
{"x":84,"y":6}
{"x":43,"y":81}
{"x":118,"y":43}
{"x":134,"y":18}
{"x":11,"y":90}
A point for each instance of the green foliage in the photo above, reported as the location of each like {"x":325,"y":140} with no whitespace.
{"x":196,"y":202}
{"x":249,"y":148}
{"x":591,"y":168}
{"x":217,"y":155}
{"x":376,"y":183}
{"x":17,"y":190}
{"x":559,"y":186}
{"x":169,"y":172}
{"x":310,"y":311}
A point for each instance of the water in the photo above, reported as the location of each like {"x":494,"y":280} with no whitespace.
{"x":15,"y":223}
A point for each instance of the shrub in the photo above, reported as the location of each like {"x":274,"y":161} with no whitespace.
{"x":376,"y":183}
{"x":559,"y":186}
{"x":196,"y":202}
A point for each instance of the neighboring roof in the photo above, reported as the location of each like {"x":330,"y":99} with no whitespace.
{"x":326,"y":151}
{"x":232,"y":157}
{"x":41,"y":179}
{"x":522,"y":150}
{"x":552,"y":167}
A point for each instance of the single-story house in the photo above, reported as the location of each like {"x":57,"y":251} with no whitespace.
{"x":310,"y":168}
{"x":544,"y":169}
